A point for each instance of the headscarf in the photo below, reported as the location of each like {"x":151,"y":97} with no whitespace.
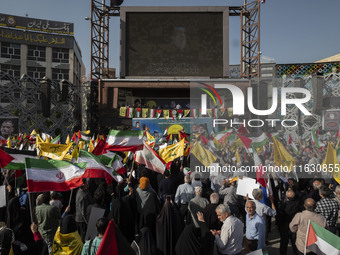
{"x":68,"y":225}
{"x":144,"y":182}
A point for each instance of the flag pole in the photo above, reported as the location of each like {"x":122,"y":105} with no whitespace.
{"x":305,"y":250}
{"x":69,"y":202}
{"x":30,"y":204}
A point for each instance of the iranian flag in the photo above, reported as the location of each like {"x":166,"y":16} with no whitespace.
{"x":261,"y":176}
{"x":321,"y":241}
{"x":125,"y":140}
{"x":114,"y":161}
{"x":46,"y":175}
{"x":315,"y":140}
{"x":150,"y":159}
{"x":259,"y":141}
{"x":96,"y":168}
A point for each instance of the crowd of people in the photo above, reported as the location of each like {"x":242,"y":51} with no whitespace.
{"x":176,"y":212}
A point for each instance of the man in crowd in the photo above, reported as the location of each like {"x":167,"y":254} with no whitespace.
{"x":210,"y":216}
{"x":299,"y":224}
{"x":229,"y":239}
{"x":230,"y":198}
{"x":48,"y":219}
{"x":197,"y":204}
{"x":286,"y":212}
{"x":328,"y":208}
{"x":255,"y":229}
{"x":184,"y":193}
{"x":83,"y":200}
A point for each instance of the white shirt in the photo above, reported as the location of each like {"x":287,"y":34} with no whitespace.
{"x":230,"y":240}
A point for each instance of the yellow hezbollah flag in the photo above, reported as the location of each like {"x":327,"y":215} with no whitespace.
{"x":75,"y":153}
{"x":67,"y":244}
{"x":166,"y":114}
{"x":91,"y":146}
{"x":237,"y":156}
{"x":38,"y":139}
{"x":202,"y":154}
{"x":150,"y":139}
{"x":53,"y":151}
{"x":122,"y":111}
{"x":68,"y":140}
{"x":281,"y":155}
{"x":171,"y":152}
{"x":331,"y":163}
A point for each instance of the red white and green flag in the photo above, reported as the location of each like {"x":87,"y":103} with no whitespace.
{"x":315,"y":140}
{"x":150,"y":159}
{"x":259,"y":141}
{"x":18,"y":162}
{"x":46,"y":175}
{"x":113,"y":161}
{"x":96,"y":168}
{"x":321,"y":241}
{"x":124,"y":140}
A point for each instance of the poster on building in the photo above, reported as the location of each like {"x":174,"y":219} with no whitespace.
{"x":8,"y":127}
{"x":156,"y":127}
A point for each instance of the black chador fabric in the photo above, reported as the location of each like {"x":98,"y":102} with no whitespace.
{"x":188,"y":242}
{"x":149,"y":214}
{"x":19,"y":220}
{"x":123,"y":211}
{"x":68,"y":225}
{"x":124,"y":247}
{"x":169,"y":226}
{"x":146,"y":242}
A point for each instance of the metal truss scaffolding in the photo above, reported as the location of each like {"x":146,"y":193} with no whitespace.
{"x":250,"y":39}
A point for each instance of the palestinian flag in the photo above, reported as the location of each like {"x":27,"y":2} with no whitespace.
{"x":126,"y":140}
{"x":294,"y":148}
{"x":96,"y":168}
{"x":259,"y":141}
{"x":46,"y":175}
{"x":150,"y":159}
{"x":18,"y":163}
{"x":316,"y":141}
{"x":245,"y":140}
{"x":321,"y":241}
{"x":5,"y":159}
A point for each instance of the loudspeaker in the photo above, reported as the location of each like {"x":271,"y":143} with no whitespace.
{"x":317,"y":86}
{"x":331,"y":120}
{"x":45,"y":97}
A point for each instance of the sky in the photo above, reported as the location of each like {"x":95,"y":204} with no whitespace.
{"x":292,"y":31}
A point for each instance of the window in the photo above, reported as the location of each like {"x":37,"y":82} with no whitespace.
{"x":10,"y":50}
{"x":36,"y":72}
{"x":11,"y":70}
{"x":60,"y":55}
{"x":36,"y":53}
{"x":59,"y":74}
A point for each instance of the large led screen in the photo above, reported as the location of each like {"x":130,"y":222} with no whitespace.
{"x":175,"y":44}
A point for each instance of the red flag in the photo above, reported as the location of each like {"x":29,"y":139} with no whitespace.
{"x":79,"y":135}
{"x":74,"y":137}
{"x":99,"y":149}
{"x":182,"y":135}
{"x":337,"y":134}
{"x":5,"y":158}
{"x":242,"y":130}
{"x":290,"y":140}
{"x":108,"y":244}
{"x":245,"y":140}
{"x":203,"y":139}
{"x":317,"y":132}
